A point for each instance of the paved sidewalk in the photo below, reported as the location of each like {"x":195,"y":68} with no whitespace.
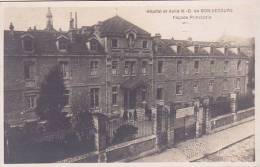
{"x":193,"y":149}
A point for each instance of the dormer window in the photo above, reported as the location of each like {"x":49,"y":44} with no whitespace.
{"x":93,"y":45}
{"x":114,"y":43}
{"x":178,"y":49}
{"x":131,"y":38}
{"x":27,"y":44}
{"x":211,"y":50}
{"x":226,"y":51}
{"x":239,"y":65}
{"x":196,"y":49}
{"x":61,"y":43}
{"x":145,"y":44}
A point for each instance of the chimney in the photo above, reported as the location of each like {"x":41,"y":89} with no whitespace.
{"x":34,"y":28}
{"x":97,"y":27}
{"x":11,"y":28}
{"x":76,"y":21}
{"x":157,"y":36}
{"x":71,"y":22}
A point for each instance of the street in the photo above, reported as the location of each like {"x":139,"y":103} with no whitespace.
{"x":243,"y":151}
{"x":217,"y":147}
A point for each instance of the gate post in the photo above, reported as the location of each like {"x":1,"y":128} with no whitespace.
{"x":100,"y":122}
{"x":207,"y":115}
{"x":199,"y":118}
{"x":170,"y":132}
{"x":155,"y":127}
{"x":233,"y":105}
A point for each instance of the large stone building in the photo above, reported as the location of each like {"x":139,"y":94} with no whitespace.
{"x":116,"y":66}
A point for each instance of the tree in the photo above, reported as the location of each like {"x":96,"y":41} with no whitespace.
{"x":82,"y":121}
{"x":51,"y":101}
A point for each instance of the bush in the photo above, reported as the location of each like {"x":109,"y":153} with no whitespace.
{"x":245,"y":101}
{"x":220,"y":106}
{"x":124,"y":133}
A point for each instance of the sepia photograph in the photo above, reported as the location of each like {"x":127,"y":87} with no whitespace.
{"x":144,"y":82}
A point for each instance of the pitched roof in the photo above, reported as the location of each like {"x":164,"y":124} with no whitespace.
{"x":45,"y":43}
{"x":166,"y":47}
{"x":119,"y":26}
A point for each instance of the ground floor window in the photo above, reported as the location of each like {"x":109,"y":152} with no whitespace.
{"x":179,"y":88}
{"x":114,"y":95}
{"x":30,"y":101}
{"x":94,"y":97}
{"x":143,"y":94}
{"x":67,"y":97}
{"x":211,"y":82}
{"x":159,"y":93}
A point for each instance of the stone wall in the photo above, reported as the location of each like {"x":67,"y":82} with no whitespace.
{"x":232,"y":119}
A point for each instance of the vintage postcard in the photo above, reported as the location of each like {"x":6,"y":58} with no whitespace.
{"x":164,"y":83}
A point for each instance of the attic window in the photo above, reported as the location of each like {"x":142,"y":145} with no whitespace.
{"x":145,"y":44}
{"x":211,"y":50}
{"x":178,"y":49}
{"x":62,"y":45}
{"x":93,"y":45}
{"x":196,"y":49}
{"x":226,"y":51}
{"x":28,"y":44}
{"x":114,"y":43}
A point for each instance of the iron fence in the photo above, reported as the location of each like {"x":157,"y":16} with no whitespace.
{"x":121,"y":130}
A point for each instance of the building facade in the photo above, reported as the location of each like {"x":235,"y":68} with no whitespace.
{"x":116,"y":67}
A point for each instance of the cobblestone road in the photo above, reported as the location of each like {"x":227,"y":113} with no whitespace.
{"x":243,"y":151}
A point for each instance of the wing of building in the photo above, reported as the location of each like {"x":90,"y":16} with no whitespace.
{"x":117,"y":66}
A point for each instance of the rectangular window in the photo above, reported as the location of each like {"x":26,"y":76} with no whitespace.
{"x":226,"y":51}
{"x":211,"y":50}
{"x":129,"y":67}
{"x":179,"y":66}
{"x":67,"y":97}
{"x":93,"y":67}
{"x":225,"y":86}
{"x":212,"y":66}
{"x":145,"y":44}
{"x":160,"y":67}
{"x":143,"y":93}
{"x":114,"y":95}
{"x":226,"y":66}
{"x":196,"y":49}
{"x":196,"y":87}
{"x":196,"y":66}
{"x":114,"y":67}
{"x":64,"y":69}
{"x":29,"y":70}
{"x":159,"y":94}
{"x":93,"y":45}
{"x":94,"y":97}
{"x":238,"y":83}
{"x":179,"y":88}
{"x":178,"y":49}
{"x":144,"y":66}
{"x":28,"y":45}
{"x":114,"y":43}
{"x":62,"y":45}
{"x":211,"y":82}
{"x":30,"y":101}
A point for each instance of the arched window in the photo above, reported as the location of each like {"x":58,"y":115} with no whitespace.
{"x":27,"y":43}
{"x":131,"y":38}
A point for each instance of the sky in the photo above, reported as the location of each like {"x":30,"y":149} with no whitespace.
{"x":240,"y":22}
